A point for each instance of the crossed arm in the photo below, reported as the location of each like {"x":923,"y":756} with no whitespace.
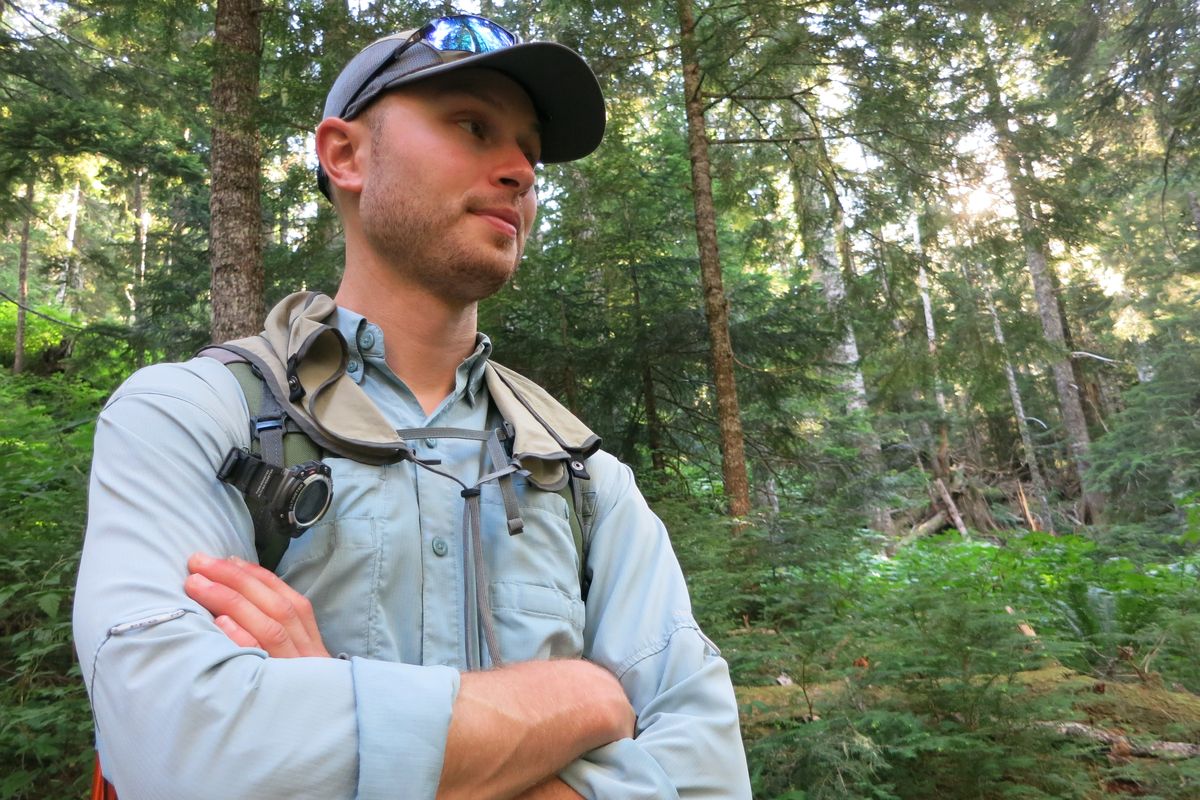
{"x":512,"y":729}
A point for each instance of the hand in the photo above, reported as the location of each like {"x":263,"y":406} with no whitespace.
{"x":254,"y":607}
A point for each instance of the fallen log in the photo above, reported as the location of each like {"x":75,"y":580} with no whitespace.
{"x":929,"y":526}
{"x":1122,"y":745}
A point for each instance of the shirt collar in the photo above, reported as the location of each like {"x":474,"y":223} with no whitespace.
{"x":364,"y":342}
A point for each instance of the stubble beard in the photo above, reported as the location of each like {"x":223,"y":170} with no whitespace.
{"x":430,"y":247}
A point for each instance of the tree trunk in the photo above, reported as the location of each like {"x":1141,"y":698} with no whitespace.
{"x":23,"y":283}
{"x":716,"y":306}
{"x":1014,"y":394}
{"x":1071,"y":407}
{"x":235,"y":235}
{"x":654,"y":436}
{"x":941,"y":457}
{"x":927,"y":307}
{"x":570,"y":383}
{"x":831,"y":262}
{"x":69,"y":279}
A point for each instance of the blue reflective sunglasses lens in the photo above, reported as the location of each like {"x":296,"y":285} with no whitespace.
{"x":467,"y":33}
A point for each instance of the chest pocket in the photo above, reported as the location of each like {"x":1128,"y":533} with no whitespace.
{"x":336,"y":563}
{"x":534,"y":576}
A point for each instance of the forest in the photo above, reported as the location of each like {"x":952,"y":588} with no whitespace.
{"x":891,"y":306}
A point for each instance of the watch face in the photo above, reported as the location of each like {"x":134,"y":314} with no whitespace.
{"x":312,"y":500}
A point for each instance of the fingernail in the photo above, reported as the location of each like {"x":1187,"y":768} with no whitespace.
{"x":199,"y":580}
{"x":236,"y":560}
{"x":202,"y":559}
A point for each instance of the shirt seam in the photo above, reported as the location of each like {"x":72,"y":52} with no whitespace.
{"x":155,"y":393}
{"x":651,"y":650}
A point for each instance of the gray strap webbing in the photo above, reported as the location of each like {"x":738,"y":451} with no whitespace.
{"x":269,"y":425}
{"x":475,"y":578}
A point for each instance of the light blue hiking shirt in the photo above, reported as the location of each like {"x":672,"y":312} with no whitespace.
{"x":181,"y":711}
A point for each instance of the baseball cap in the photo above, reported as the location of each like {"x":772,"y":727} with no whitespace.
{"x":563,"y":89}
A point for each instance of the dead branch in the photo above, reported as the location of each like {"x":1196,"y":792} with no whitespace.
{"x":1122,"y":745}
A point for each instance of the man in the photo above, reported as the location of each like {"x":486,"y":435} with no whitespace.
{"x":211,"y":676}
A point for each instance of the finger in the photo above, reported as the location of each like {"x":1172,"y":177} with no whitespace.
{"x":262,"y":596}
{"x":237,"y":633}
{"x":221,"y":600}
{"x":300,"y":603}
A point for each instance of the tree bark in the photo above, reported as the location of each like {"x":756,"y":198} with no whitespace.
{"x":716,"y":305}
{"x":23,"y":282}
{"x":654,"y":437}
{"x":69,"y":278}
{"x":570,"y":383}
{"x":1014,"y":393}
{"x":927,"y":307}
{"x":235,"y":234}
{"x":831,"y":261}
{"x":941,"y":458}
{"x":1033,"y":240}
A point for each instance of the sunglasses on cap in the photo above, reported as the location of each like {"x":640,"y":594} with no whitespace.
{"x":465,"y":33}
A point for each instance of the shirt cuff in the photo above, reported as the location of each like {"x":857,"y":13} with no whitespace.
{"x":621,"y":769}
{"x":403,"y":719}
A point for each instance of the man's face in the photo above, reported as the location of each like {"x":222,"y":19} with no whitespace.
{"x":448,"y":195}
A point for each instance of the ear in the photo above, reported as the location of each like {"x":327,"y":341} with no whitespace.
{"x":342,"y":148}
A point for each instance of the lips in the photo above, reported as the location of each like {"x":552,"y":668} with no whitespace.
{"x":506,"y":220}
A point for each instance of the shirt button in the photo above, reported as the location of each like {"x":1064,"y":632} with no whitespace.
{"x":352,"y":366}
{"x":440,"y":548}
{"x":367,"y":340}
{"x":431,"y":442}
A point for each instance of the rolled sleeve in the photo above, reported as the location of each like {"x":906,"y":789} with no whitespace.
{"x":640,"y":626}
{"x":408,"y":756}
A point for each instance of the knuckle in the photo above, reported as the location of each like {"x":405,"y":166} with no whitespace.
{"x":302,"y":605}
{"x":274,"y":635}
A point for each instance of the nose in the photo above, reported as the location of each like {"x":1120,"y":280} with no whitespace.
{"x":514,"y":171}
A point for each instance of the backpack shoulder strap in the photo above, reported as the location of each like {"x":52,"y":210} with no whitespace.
{"x":581,"y":499}
{"x":273,"y":435}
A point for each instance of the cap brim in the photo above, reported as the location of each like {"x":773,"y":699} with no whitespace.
{"x":562,"y":87}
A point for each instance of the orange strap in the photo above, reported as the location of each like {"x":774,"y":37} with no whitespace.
{"x":101,"y":789}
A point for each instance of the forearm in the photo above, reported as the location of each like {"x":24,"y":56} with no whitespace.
{"x":512,"y":728}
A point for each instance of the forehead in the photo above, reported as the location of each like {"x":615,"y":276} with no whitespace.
{"x":487,"y":86}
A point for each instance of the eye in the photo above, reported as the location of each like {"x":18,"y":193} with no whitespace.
{"x":473,"y":126}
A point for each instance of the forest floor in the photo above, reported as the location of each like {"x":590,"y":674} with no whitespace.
{"x":1124,"y":719}
{"x":1130,"y":706}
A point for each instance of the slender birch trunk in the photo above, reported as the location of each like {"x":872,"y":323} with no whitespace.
{"x":235,"y":237}
{"x":68,"y":273}
{"x":716,"y":305}
{"x":831,"y":261}
{"x":1036,"y":260}
{"x":927,"y":308}
{"x":1014,"y":393}
{"x":941,"y":459}
{"x":23,"y":282}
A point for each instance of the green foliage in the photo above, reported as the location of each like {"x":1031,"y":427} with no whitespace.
{"x":921,"y":679}
{"x":1150,"y":461}
{"x":45,"y":722}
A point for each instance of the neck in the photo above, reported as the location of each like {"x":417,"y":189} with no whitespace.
{"x":426,"y":337}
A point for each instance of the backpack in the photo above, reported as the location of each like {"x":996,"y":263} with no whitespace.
{"x":288,"y":445}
